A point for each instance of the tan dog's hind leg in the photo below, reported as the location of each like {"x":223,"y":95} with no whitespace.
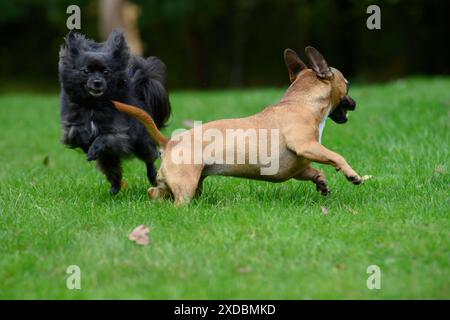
{"x":318,"y":153}
{"x":184,"y":192}
{"x":184,"y":183}
{"x":315,"y":176}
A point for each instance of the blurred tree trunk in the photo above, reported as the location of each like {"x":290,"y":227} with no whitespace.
{"x":238,"y":48}
{"x":121,"y":14}
{"x":243,"y":10}
{"x":197,"y":55}
{"x":345,"y":37}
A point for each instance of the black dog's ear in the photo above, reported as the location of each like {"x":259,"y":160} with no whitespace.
{"x":293,"y":63}
{"x":318,"y":63}
{"x":118,"y":45}
{"x":72,"y":43}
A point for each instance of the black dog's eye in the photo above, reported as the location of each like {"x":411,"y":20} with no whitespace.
{"x":105,"y":72}
{"x":86,"y":70}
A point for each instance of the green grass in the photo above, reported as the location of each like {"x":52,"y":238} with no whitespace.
{"x":56,"y":215}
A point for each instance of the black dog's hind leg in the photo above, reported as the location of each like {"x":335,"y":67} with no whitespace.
{"x":112,"y":169}
{"x":151,"y":173}
{"x":147,"y":152}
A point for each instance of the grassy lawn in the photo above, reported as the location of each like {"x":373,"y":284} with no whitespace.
{"x":242,"y":239}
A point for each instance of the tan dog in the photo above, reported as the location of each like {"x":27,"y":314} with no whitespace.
{"x":298,"y":118}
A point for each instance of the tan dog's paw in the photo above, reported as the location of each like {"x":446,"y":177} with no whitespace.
{"x":322,"y":187}
{"x":355,"y":179}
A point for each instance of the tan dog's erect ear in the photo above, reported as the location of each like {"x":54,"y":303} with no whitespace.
{"x":318,"y":63}
{"x":293,"y":63}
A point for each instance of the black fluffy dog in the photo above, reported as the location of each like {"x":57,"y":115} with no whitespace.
{"x":92,"y":74}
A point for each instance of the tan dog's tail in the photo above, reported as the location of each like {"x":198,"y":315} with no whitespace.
{"x":145,"y":119}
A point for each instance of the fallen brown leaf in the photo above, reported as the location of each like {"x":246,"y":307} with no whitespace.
{"x":353,"y":211}
{"x":440,"y":169}
{"x":245,"y":270}
{"x":140,"y":235}
{"x":325,"y":210}
{"x":339,"y":266}
{"x":188,"y":123}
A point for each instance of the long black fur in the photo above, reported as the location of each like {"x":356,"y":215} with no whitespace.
{"x":90,"y":121}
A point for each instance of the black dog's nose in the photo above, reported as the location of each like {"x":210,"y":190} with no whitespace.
{"x":97,"y":83}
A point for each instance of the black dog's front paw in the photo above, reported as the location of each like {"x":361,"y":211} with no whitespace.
{"x":95,"y":150}
{"x":77,"y":137}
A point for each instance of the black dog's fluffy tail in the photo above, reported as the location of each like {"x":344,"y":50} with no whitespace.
{"x":148,"y":79}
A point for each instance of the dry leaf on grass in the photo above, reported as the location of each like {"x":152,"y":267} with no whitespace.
{"x":440,"y":169}
{"x":140,"y":235}
{"x":339,"y":266}
{"x":245,"y":269}
{"x":324,"y":209}
{"x":366,"y":177}
{"x":351,"y":210}
{"x":188,"y":123}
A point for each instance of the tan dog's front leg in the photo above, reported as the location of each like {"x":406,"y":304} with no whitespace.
{"x":316,"y":176}
{"x":318,"y":153}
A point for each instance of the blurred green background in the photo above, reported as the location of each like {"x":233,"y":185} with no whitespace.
{"x":236,"y":43}
{"x":241,"y":239}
